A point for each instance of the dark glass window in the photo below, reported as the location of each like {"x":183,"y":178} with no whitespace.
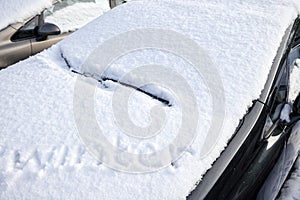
{"x":28,"y":31}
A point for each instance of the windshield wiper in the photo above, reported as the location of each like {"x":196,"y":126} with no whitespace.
{"x":103,"y":79}
{"x":164,"y":101}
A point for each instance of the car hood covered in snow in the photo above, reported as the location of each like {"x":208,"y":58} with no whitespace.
{"x":43,"y":151}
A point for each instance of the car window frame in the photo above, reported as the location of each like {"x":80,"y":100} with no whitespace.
{"x":15,"y":37}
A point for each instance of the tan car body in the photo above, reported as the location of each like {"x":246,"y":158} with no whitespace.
{"x":13,"y":50}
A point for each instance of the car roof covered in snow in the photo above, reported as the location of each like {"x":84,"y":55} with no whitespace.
{"x":20,"y":10}
{"x":42,"y":145}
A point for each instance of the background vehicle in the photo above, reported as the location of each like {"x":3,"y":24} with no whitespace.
{"x":21,"y":40}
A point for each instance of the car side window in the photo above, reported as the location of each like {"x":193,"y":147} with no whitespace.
{"x":294,"y":63}
{"x":280,"y":91}
{"x":296,"y":39}
{"x":28,"y":31}
{"x":280,"y":94}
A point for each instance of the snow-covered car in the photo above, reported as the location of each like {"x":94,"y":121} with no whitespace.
{"x":159,"y":99}
{"x":246,"y":169}
{"x":28,"y":27}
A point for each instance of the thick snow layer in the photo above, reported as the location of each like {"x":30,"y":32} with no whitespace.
{"x":41,"y":154}
{"x":20,"y":10}
{"x":75,"y":16}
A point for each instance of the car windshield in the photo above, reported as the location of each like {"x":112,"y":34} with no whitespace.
{"x":157,"y":87}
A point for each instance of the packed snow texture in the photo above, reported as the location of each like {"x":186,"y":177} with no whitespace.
{"x":20,"y":10}
{"x":41,"y":154}
{"x":75,"y":16}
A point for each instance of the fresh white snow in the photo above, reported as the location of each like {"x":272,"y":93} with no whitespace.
{"x":70,"y":17}
{"x":41,"y":154}
{"x":75,"y":16}
{"x":20,"y":10}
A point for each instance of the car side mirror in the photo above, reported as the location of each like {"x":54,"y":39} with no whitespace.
{"x":47,"y":29}
{"x":296,"y":105}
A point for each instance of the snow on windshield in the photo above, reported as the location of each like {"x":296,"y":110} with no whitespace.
{"x":42,"y":152}
{"x":75,"y":15}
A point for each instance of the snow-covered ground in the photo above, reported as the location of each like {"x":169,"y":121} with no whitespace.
{"x":42,"y":151}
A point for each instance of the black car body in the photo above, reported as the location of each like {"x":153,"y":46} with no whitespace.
{"x":245,"y":164}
